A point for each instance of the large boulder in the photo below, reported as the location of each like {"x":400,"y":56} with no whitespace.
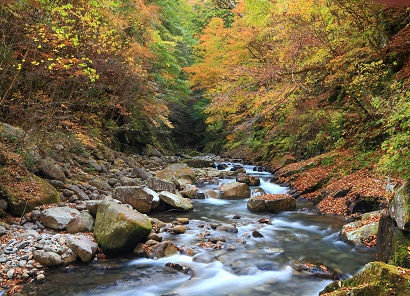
{"x":363,"y":232}
{"x":58,"y":217}
{"x":175,"y":201}
{"x":118,"y":229}
{"x":141,"y":173}
{"x":49,"y":259}
{"x":234,"y":190}
{"x":199,"y":163}
{"x":271,"y":203}
{"x":376,"y":278}
{"x":392,"y":243}
{"x":143,"y":199}
{"x":83,"y":247}
{"x":161,"y":185}
{"x":51,"y":170}
{"x":84,"y":222}
{"x":399,"y":207}
{"x":178,"y":173}
{"x":162,"y":249}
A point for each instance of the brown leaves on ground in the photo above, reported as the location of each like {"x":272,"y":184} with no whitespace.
{"x":272,"y":196}
{"x":327,"y":180}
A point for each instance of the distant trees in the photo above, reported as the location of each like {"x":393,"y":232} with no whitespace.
{"x":300,"y":77}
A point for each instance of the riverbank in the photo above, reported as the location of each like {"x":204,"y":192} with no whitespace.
{"x":83,"y":177}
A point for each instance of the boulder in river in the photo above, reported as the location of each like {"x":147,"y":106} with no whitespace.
{"x":118,"y":229}
{"x":175,"y":201}
{"x":162,"y":249}
{"x":315,"y":269}
{"x":271,"y":203}
{"x":143,"y":199}
{"x":376,"y":278}
{"x":362,"y":233}
{"x":234,"y":190}
{"x":248,"y":179}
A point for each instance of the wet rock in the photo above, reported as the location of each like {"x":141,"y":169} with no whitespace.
{"x":228,"y":228}
{"x":392,"y":243}
{"x":190,"y":191}
{"x":236,"y":168}
{"x":257,"y":234}
{"x":161,"y":185}
{"x":58,"y":217}
{"x":178,"y":173}
{"x":360,"y":233}
{"x":176,"y":201}
{"x":211,"y":193}
{"x":376,"y":278}
{"x":140,"y":198}
{"x":315,"y":269}
{"x":163,"y":249}
{"x":399,"y":207}
{"x":234,"y":190}
{"x":155,"y":236}
{"x":182,"y":220}
{"x":271,"y":203}
{"x":248,"y":179}
{"x":50,"y":259}
{"x":83,"y":247}
{"x":222,"y":166}
{"x":180,"y":268}
{"x":119,"y":229}
{"x":84,"y":222}
{"x":203,"y":258}
{"x":179,"y":229}
{"x":215,"y":239}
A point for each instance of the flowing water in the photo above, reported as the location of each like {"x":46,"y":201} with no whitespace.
{"x":243,"y":265}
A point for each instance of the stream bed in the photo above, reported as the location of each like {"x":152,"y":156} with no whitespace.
{"x":244,"y":264}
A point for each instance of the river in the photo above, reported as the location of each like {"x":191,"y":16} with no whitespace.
{"x":243,"y":265}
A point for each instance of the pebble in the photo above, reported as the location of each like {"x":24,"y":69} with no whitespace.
{"x":10,"y":274}
{"x":40,"y":277}
{"x":179,"y":229}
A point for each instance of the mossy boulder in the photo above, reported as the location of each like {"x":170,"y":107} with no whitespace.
{"x":399,"y":207}
{"x":361,"y":232}
{"x":23,"y":190}
{"x":119,"y":229}
{"x":376,"y":278}
{"x":392,"y":243}
{"x":248,"y":179}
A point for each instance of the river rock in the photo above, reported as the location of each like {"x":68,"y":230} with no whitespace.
{"x":92,"y":206}
{"x":234,"y":190}
{"x":162,"y":249}
{"x":248,"y":179}
{"x":83,"y":247}
{"x":51,"y":170}
{"x":84,"y":222}
{"x":360,"y":232}
{"x":161,"y":185}
{"x":199,"y":163}
{"x":315,"y":269}
{"x":141,"y":173}
{"x":179,"y":229}
{"x":175,"y":201}
{"x":119,"y":229}
{"x":190,"y":191}
{"x":142,"y":199}
{"x":399,"y":207}
{"x":376,"y":278}
{"x":392,"y":243}
{"x":24,"y":191}
{"x":178,"y":173}
{"x":58,"y":217}
{"x":49,"y":259}
{"x":271,"y":203}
